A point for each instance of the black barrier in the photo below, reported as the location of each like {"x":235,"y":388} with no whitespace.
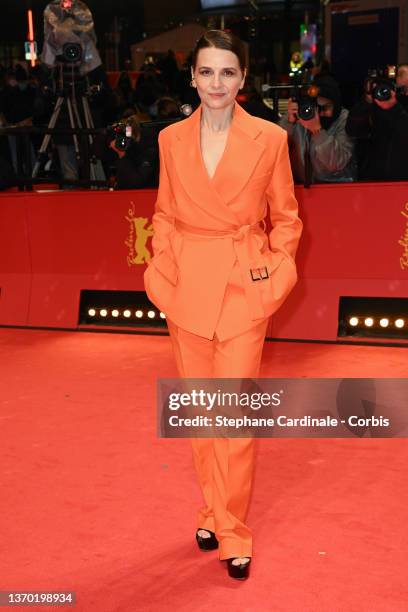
{"x":24,"y":179}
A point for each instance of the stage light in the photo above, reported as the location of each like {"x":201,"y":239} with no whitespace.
{"x":123,"y":309}
{"x":373,"y":318}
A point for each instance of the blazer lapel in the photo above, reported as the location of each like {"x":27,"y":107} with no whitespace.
{"x":240,"y":157}
{"x":186,"y":154}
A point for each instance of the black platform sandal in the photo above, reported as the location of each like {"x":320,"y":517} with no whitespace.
{"x":205,"y":544}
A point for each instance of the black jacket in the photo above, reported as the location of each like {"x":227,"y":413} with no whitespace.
{"x":139,"y":167}
{"x":18,"y":103}
{"x":382,"y":137}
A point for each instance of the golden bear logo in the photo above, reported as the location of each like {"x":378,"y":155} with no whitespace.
{"x":137,"y":239}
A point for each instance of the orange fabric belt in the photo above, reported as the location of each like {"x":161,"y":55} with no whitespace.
{"x":240,"y":238}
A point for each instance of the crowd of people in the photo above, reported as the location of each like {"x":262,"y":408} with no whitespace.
{"x":366,"y":142}
{"x":29,"y":99}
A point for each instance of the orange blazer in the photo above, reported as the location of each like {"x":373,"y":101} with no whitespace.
{"x":208,"y":232}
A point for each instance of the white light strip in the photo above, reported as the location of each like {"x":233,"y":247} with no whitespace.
{"x":127,"y":313}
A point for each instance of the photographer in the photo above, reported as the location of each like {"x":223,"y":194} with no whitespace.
{"x":381,"y":127}
{"x":320,"y":150}
{"x":137,"y":165}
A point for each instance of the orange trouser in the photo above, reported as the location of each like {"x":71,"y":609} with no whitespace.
{"x":224,"y":465}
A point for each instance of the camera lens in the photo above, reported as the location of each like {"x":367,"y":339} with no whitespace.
{"x":306,"y":110}
{"x":382,"y":92}
{"x":72,"y":52}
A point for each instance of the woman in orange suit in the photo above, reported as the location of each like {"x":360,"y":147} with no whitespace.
{"x":215,"y":272}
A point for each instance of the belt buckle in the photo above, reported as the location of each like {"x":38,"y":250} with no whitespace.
{"x":259,"y":273}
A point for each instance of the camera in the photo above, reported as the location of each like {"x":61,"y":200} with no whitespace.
{"x":380,"y":82}
{"x":304,"y":92}
{"x":69,"y":36}
{"x":121,"y":133}
{"x":69,"y":75}
{"x":305,"y":96}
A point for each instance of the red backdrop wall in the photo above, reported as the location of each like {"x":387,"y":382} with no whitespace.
{"x":355,"y":243}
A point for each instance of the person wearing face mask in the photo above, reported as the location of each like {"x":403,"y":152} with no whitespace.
{"x":320,"y":150}
{"x":381,"y":130}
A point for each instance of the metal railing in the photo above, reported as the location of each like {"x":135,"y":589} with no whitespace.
{"x":24,"y":175}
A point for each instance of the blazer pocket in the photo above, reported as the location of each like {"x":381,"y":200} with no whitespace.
{"x":280,"y":282}
{"x":165,"y":264}
{"x":282,"y":273}
{"x":273,"y":261}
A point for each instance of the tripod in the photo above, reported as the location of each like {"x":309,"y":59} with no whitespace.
{"x":68,"y":96}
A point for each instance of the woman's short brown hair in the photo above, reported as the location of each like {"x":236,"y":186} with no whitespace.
{"x":221,"y":40}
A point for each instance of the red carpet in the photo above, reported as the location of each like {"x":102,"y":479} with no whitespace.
{"x":92,"y":501}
